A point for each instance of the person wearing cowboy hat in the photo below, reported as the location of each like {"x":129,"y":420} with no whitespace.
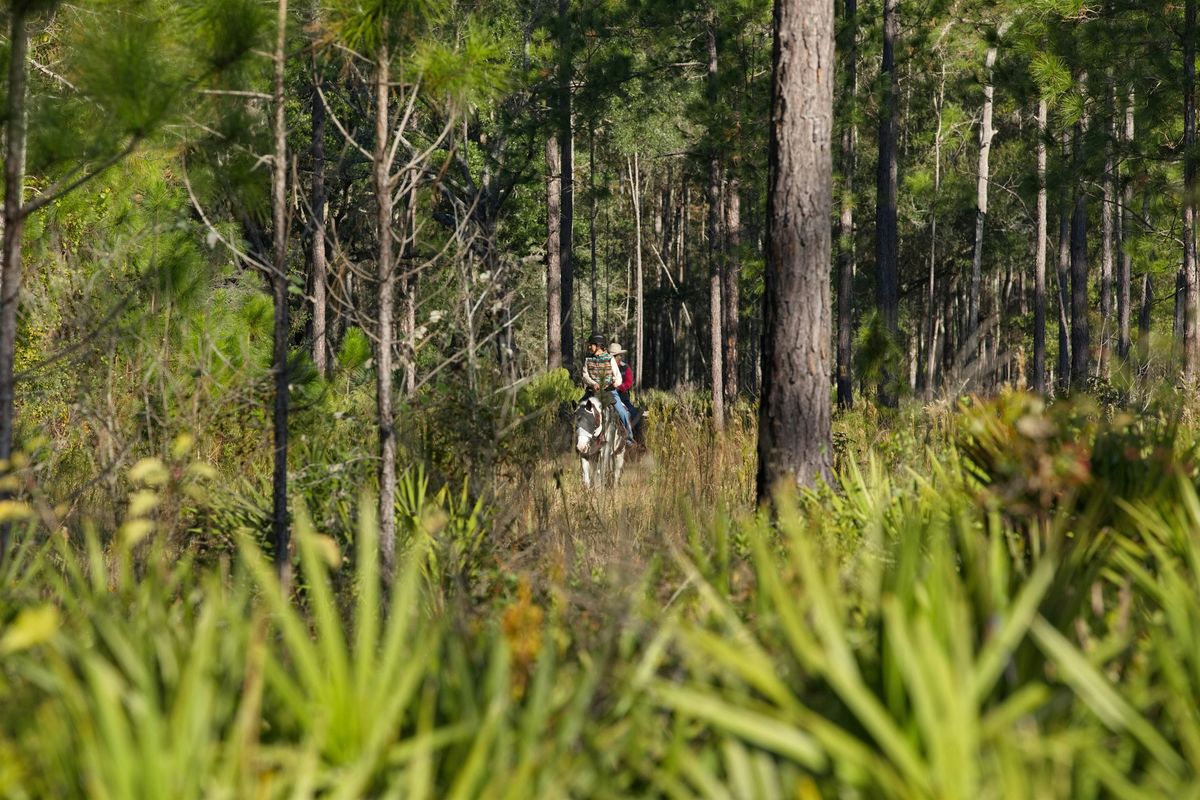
{"x":617,"y":352}
{"x":600,"y":373}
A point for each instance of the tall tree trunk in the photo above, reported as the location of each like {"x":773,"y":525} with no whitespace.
{"x":714,"y":249}
{"x":669,"y":330}
{"x":886,"y":257}
{"x":1108,"y":233}
{"x":566,"y":141}
{"x":320,"y":267}
{"x":731,"y":297}
{"x":931,"y":305}
{"x":981,"y":191}
{"x":386,"y":299}
{"x":1080,"y":335}
{"x":681,"y":256}
{"x":1144,"y":320}
{"x":1062,"y":273}
{"x":1124,"y":257}
{"x":14,"y":226}
{"x":592,"y":220}
{"x":635,"y":180}
{"x":949,"y":329}
{"x":1191,"y":297}
{"x":408,"y":286}
{"x":794,"y":440}
{"x":845,"y":263}
{"x":554,"y":304}
{"x":1039,"y":263}
{"x":279,"y":283}
{"x":1181,"y":294}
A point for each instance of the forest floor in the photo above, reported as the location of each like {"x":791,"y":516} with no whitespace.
{"x":598,"y":546}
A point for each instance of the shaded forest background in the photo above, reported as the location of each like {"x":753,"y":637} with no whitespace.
{"x":558,"y":169}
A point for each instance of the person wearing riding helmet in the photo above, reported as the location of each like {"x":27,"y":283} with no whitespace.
{"x":601,"y":374}
{"x":618,"y":353}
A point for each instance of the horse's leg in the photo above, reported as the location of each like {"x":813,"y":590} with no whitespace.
{"x":618,"y":467}
{"x":587,"y":473}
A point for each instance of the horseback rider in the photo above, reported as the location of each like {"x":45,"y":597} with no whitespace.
{"x":618,"y":353}
{"x":601,"y":374}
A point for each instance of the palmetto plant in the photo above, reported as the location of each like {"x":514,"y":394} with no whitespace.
{"x":898,"y":640}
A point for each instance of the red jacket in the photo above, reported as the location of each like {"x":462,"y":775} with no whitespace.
{"x":626,"y":379}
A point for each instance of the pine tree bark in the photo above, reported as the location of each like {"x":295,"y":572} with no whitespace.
{"x":886,"y":232}
{"x":794,"y":443}
{"x":1039,"y":263}
{"x":714,"y":249}
{"x":1063,"y":273}
{"x":1144,"y":319}
{"x":931,"y":299}
{"x":981,"y":191}
{"x":554,"y":313}
{"x":1108,"y":235}
{"x":845,"y":263}
{"x":1124,"y":257}
{"x":1191,"y":296}
{"x":731,"y":296}
{"x":635,"y":178}
{"x":16,"y":120}
{"x":592,"y":221}
{"x":279,"y":282}
{"x":320,"y":264}
{"x":386,"y":279}
{"x":566,"y":142}
{"x":669,"y":330}
{"x":1080,"y":333}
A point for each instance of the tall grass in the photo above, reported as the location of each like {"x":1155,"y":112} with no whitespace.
{"x":1011,"y":611}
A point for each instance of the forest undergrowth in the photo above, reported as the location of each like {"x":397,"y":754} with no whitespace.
{"x":994,"y":599}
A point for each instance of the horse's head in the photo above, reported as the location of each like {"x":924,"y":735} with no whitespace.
{"x":587,"y":426}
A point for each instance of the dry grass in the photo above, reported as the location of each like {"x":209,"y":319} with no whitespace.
{"x":596,"y":544}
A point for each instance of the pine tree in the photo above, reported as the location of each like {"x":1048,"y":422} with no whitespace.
{"x":794,"y":416}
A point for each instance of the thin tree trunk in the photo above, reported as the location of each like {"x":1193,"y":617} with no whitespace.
{"x":1181,"y":294}
{"x":845,"y":264}
{"x":1144,"y":320}
{"x":279,"y":282}
{"x":14,"y":225}
{"x":554,"y":314}
{"x":714,"y":250}
{"x":681,"y":256}
{"x":794,"y":440}
{"x":386,"y":299}
{"x":408,"y":324}
{"x":592,"y":221}
{"x":668,"y":331}
{"x":1124,"y":257}
{"x":1080,"y":333}
{"x":1039,"y":263}
{"x":950,"y":339}
{"x":566,"y":239}
{"x":981,"y":191}
{"x":931,"y":354}
{"x":319,"y":263}
{"x":1062,"y":273}
{"x":1108,"y":233}
{"x":1191,"y":297}
{"x":635,"y":178}
{"x":731,"y":298}
{"x":886,"y":258}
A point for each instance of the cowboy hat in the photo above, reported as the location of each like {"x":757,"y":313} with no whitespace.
{"x":615,"y":349}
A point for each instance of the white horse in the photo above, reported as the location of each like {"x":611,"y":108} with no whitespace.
{"x":600,"y":442}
